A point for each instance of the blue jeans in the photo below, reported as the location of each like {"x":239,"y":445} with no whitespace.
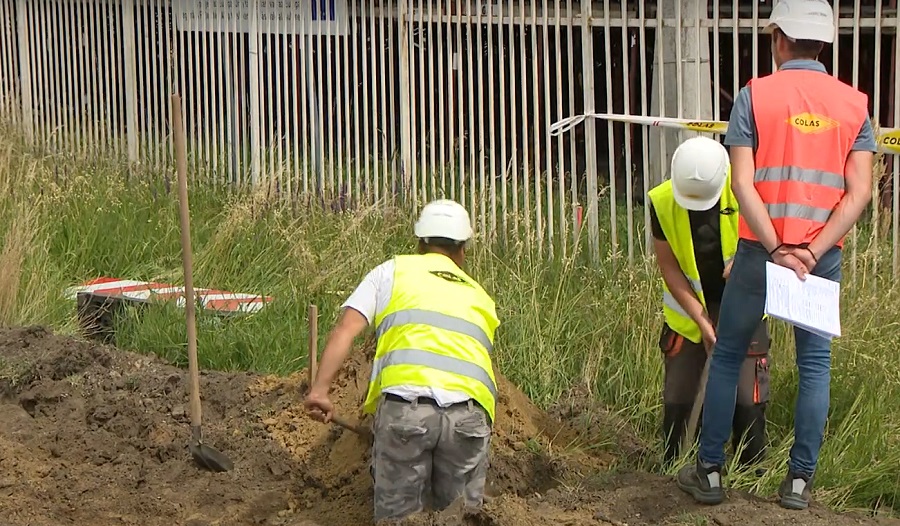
{"x":743,"y":304}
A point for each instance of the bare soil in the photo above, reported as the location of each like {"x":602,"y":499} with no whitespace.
{"x":94,"y":435}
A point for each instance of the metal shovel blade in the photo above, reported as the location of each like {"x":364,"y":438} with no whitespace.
{"x":210,"y":458}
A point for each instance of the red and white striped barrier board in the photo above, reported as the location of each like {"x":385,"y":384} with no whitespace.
{"x":210,"y":299}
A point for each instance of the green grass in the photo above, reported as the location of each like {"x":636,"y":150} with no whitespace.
{"x":565,"y":321}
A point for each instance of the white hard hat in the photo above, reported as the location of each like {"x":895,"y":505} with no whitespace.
{"x":699,"y":172}
{"x":444,"y":218}
{"x":803,"y":20}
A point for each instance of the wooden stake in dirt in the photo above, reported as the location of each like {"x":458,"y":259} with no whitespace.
{"x":313,"y":342}
{"x":204,"y":455}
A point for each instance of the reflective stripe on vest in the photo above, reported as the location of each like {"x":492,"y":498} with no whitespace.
{"x":441,"y":362}
{"x":676,"y":225}
{"x":434,"y":319}
{"x":436,"y":331}
{"x":807,"y":122}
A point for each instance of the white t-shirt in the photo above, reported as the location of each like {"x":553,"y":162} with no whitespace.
{"x":370,"y":298}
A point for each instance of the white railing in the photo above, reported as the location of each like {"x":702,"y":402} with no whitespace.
{"x":405,"y":100}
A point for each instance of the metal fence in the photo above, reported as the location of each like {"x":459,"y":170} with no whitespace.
{"x":371,"y":101}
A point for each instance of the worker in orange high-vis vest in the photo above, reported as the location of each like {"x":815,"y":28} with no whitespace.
{"x":801,"y":148}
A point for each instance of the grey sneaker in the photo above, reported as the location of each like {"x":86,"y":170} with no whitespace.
{"x":795,"y":491}
{"x":703,"y":482}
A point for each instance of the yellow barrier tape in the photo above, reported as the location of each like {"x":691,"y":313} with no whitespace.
{"x":888,"y":139}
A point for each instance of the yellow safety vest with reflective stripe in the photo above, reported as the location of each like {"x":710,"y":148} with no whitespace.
{"x":436,"y":331}
{"x":676,"y":226}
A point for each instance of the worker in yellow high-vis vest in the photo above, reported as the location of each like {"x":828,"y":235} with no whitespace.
{"x":694,"y":220}
{"x":432,"y":388}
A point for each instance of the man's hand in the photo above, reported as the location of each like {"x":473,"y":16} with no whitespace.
{"x":319,"y":406}
{"x":349,"y":325}
{"x":808,"y":259}
{"x":786,"y":258}
{"x":728,"y":269}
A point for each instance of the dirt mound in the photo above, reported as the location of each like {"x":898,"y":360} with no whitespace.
{"x":94,"y":435}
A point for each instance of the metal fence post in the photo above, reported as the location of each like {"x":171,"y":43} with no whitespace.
{"x":255,"y":126}
{"x":22,"y":14}
{"x":405,"y":119}
{"x":128,"y":47}
{"x":590,"y":130}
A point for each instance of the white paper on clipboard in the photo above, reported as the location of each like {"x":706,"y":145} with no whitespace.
{"x":812,"y":305}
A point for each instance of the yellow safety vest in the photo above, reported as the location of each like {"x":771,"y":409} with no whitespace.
{"x":676,"y":226}
{"x":437,"y":330}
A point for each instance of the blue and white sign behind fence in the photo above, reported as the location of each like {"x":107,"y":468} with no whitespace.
{"x":298,"y":17}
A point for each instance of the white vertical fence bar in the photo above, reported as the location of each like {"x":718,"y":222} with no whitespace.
{"x":322,"y":125}
{"x":48,"y":84}
{"x":590,"y":131}
{"x":876,"y":105}
{"x":418,"y":94}
{"x":480,"y":205}
{"x":284,"y":78}
{"x":371,"y":100}
{"x":504,"y":47}
{"x":72,"y":78}
{"x":355,"y":32}
{"x":369,"y":91}
{"x":339,"y":101}
{"x":443,"y":108}
{"x":156,"y":89}
{"x":660,"y":69}
{"x":573,"y":174}
{"x":610,"y":133}
{"x":130,"y":72}
{"x":302,"y":46}
{"x":546,"y":104}
{"x":109,"y":51}
{"x":267,"y":104}
{"x":560,"y":156}
{"x":6,"y":64}
{"x":645,"y":132}
{"x":895,"y":176}
{"x":84,"y":129}
{"x":514,"y":125}
{"x":535,"y":136}
{"x":406,"y":139}
{"x":254,"y":95}
{"x":37,"y":68}
{"x":330,"y":98}
{"x":84,"y":109}
{"x":470,"y":131}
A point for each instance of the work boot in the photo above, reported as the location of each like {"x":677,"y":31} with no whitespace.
{"x":795,"y":491}
{"x":702,"y":481}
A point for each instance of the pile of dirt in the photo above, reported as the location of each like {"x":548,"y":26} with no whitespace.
{"x":95,"y":435}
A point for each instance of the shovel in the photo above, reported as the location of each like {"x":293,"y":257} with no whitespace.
{"x":204,"y":455}
{"x":313,"y":362}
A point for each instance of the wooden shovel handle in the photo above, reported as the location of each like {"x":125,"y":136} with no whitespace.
{"x":694,"y":419}
{"x":186,"y":257}
{"x":359,"y":430}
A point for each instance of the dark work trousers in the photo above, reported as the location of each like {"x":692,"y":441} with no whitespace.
{"x":684,"y":362}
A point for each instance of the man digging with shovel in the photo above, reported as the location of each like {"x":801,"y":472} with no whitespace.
{"x":432,"y":388}
{"x":694,"y":219}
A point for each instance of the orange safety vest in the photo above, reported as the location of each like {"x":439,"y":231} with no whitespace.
{"x":806,"y":122}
